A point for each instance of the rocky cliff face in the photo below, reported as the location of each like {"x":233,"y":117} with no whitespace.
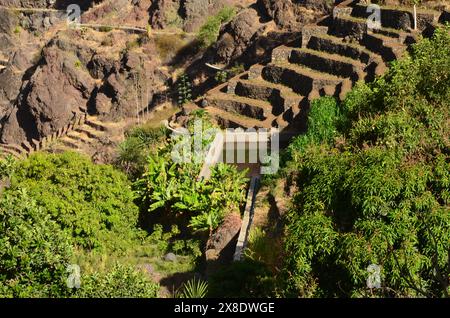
{"x":50,"y":98}
{"x":46,"y":80}
{"x":72,"y":77}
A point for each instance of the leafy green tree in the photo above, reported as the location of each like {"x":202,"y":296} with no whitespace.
{"x":34,"y":250}
{"x":92,"y":203}
{"x":376,"y":192}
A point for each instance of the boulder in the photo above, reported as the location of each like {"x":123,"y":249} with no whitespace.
{"x":224,"y":237}
{"x":237,"y":35}
{"x":48,"y":101}
{"x":170,"y":257}
{"x":102,"y":104}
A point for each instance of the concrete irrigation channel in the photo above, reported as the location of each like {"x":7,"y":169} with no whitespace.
{"x":245,"y":151}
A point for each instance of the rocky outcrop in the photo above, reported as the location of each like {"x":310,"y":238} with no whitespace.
{"x":40,"y":21}
{"x":129,"y":88}
{"x":237,"y":36}
{"x":187,"y":14}
{"x":8,"y":23}
{"x":291,"y":15}
{"x":221,"y":245}
{"x":50,"y":99}
{"x":66,"y":82}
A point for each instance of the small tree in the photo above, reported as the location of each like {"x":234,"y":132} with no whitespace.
{"x":184,"y":90}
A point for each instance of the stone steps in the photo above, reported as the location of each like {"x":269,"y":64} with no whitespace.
{"x":78,"y":139}
{"x":388,"y":44}
{"x":334,"y":45}
{"x":398,"y":36}
{"x":89,"y":131}
{"x":97,"y":124}
{"x":400,"y":18}
{"x":374,"y":64}
{"x":228,"y":119}
{"x":280,"y":97}
{"x":14,"y":147}
{"x":384,"y":46}
{"x":333,"y":64}
{"x":6,"y":150}
{"x":69,"y":143}
{"x":302,"y":80}
{"x":255,"y":109}
{"x":86,"y":135}
{"x":329,"y":59}
{"x":81,"y":136}
{"x":345,"y":25}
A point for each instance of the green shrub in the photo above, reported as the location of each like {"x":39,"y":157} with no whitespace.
{"x":7,"y":166}
{"x":221,"y":77}
{"x":324,"y":118}
{"x":92,"y":203}
{"x":209,"y":32}
{"x":169,"y":45}
{"x":17,"y":30}
{"x":120,"y":282}
{"x":139,"y":142}
{"x":105,"y":29}
{"x":34,"y":250}
{"x":194,"y":288}
{"x":132,"y":44}
{"x":170,"y":186}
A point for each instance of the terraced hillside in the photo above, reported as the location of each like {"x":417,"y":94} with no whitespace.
{"x":327,"y":59}
{"x":84,"y":132}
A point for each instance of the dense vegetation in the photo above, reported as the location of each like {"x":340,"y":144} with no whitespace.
{"x":171,"y":185}
{"x":93,"y":204}
{"x":56,"y":208}
{"x":373,"y":185}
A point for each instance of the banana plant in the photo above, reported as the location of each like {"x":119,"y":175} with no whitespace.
{"x":159,"y":184}
{"x":207,"y":221}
